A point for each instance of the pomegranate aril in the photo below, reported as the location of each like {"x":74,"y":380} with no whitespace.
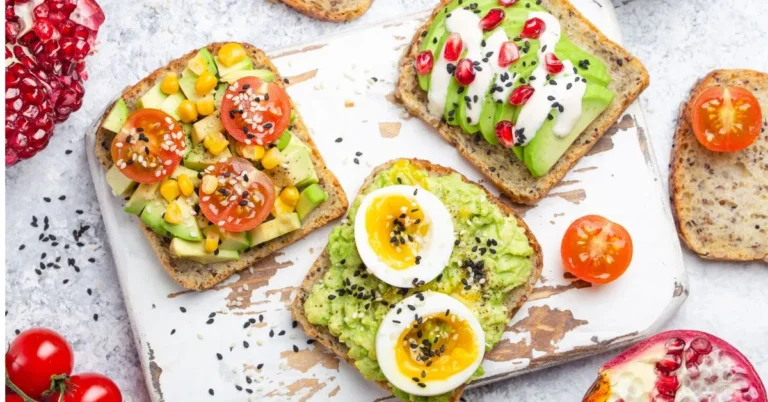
{"x":553,"y":64}
{"x":465,"y":72}
{"x":675,"y":346}
{"x":521,"y":94}
{"x":82,"y":32}
{"x":491,"y":20}
{"x":57,"y":17}
{"x":81,"y":49}
{"x":533,"y":28}
{"x":669,"y":363}
{"x":12,"y":30}
{"x":424,"y":62}
{"x":453,"y":47}
{"x":40,"y":11}
{"x":67,"y":28}
{"x":508,"y":54}
{"x":667,"y":384}
{"x":44,"y":29}
{"x":507,"y":3}
{"x":504,"y":132}
{"x":701,"y":346}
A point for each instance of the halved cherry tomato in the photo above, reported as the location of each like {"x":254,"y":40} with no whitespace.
{"x":596,"y":250}
{"x":149,"y":146}
{"x":34,"y":357}
{"x":89,"y":387}
{"x":726,"y":119}
{"x":254,"y":111}
{"x":243,"y":198}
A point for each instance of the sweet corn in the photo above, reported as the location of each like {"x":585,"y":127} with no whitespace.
{"x":205,"y":83}
{"x":215,"y":142}
{"x":170,"y":84}
{"x":173,"y":213}
{"x":231,"y":53}
{"x":205,"y":105}
{"x":209,"y":184}
{"x":187,"y":111}
{"x":290,"y":195}
{"x":185,"y":185}
{"x":170,"y":190}
{"x":252,"y":152}
{"x":271,"y":159}
{"x":281,"y":207}
{"x":211,"y":241}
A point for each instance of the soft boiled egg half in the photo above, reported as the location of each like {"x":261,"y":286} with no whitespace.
{"x":404,"y":235}
{"x":429,"y":344}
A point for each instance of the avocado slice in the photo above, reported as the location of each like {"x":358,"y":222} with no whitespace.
{"x":187,"y":85}
{"x":237,"y":241}
{"x":209,"y":61}
{"x":310,"y":198}
{"x":209,"y":124}
{"x":452,"y":102}
{"x":282,"y":224}
{"x":154,"y":98}
{"x":245,"y":64}
{"x":188,"y":73}
{"x":199,"y":158}
{"x":152,"y":216}
{"x":264,"y":74}
{"x":143,"y":194}
{"x":195,"y":251}
{"x":284,"y":140}
{"x":192,"y":174}
{"x":587,"y":65}
{"x":187,"y":229}
{"x":297,"y":166}
{"x":219,"y":95}
{"x":487,"y":123}
{"x":117,"y":116}
{"x":117,"y":181}
{"x":171,"y":104}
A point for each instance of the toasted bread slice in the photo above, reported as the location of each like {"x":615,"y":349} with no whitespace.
{"x":193,"y":275}
{"x":499,"y":165}
{"x":330,"y":10}
{"x":515,"y":299}
{"x":720,"y":199}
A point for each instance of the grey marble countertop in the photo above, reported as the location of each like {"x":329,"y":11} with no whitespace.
{"x":678,"y":40}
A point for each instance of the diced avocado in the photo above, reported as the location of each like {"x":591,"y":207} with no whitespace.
{"x":152,"y":216}
{"x":187,"y":85}
{"x":284,"y":140}
{"x":199,"y":158}
{"x":143,"y":194}
{"x":245,"y":64}
{"x":282,"y":224}
{"x":219,"y":95}
{"x":187,"y":229}
{"x":298,"y":166}
{"x":171,"y":104}
{"x":187,"y":129}
{"x":237,"y":241}
{"x":310,"y":198}
{"x":233,"y":76}
{"x":208,"y":57}
{"x":116,"y":117}
{"x":188,"y":73}
{"x":192,"y":174}
{"x":153,"y":99}
{"x":194,"y":250}
{"x":210,"y":124}
{"x":120,"y":184}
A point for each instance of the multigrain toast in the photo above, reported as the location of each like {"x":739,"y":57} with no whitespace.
{"x":196,"y":276}
{"x":330,"y":10}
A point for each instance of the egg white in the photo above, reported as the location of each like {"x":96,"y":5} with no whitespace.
{"x":393,"y":325}
{"x":435,"y":250}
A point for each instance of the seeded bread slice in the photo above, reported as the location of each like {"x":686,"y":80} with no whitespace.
{"x":499,"y":165}
{"x":720,"y":199}
{"x":514,"y":300}
{"x":193,"y":275}
{"x":330,"y":10}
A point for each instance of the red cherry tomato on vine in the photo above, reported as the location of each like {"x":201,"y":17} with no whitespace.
{"x":89,"y":387}
{"x":13,"y":398}
{"x":34,"y":357}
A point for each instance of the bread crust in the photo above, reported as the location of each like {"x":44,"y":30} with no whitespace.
{"x":330,"y":10}
{"x":190,"y":274}
{"x":501,"y":167}
{"x":321,"y":334}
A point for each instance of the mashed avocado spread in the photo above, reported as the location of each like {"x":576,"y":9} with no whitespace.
{"x":488,"y":261}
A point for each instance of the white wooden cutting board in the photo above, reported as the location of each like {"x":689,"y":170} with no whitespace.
{"x":343,"y":87}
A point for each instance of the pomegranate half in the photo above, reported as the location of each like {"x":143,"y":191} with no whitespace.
{"x":681,"y":366}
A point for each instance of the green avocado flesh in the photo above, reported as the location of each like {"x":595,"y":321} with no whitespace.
{"x":541,"y":153}
{"x":355,"y":321}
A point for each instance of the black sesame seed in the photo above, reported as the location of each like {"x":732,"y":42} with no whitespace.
{"x":183,"y":309}
{"x":219,"y":356}
{"x":210,"y":391}
{"x":295,"y":349}
{"x":245,"y":344}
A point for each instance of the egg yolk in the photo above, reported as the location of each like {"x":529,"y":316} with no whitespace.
{"x":396,"y":226}
{"x":440,"y":347}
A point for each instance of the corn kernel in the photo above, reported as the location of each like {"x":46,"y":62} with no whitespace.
{"x":185,"y":185}
{"x":170,"y":84}
{"x":173,"y":213}
{"x":271,"y":159}
{"x":187,"y":111}
{"x":170,"y":190}
{"x":211,"y":241}
{"x":205,"y":83}
{"x":209,"y":184}
{"x":215,"y":143}
{"x":205,"y":105}
{"x":252,"y":152}
{"x":281,"y":207}
{"x":231,"y":53}
{"x":290,"y":195}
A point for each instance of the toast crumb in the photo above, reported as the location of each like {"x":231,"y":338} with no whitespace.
{"x":330,"y":10}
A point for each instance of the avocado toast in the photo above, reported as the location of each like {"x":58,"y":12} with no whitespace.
{"x":196,"y":252}
{"x":494,"y":263}
{"x":523,"y":133}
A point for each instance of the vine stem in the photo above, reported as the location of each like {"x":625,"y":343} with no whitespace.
{"x":16,"y":389}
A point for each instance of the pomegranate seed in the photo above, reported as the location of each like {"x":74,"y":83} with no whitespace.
{"x":44,"y":29}
{"x":81,"y":49}
{"x":82,"y":32}
{"x":424,"y":62}
{"x":491,"y":20}
{"x":553,"y":64}
{"x":663,"y":398}
{"x":465,"y":72}
{"x":521,"y":94}
{"x":57,"y":17}
{"x":508,"y":54}
{"x":675,"y":346}
{"x":41,"y":11}
{"x":667,"y":385}
{"x":507,"y":3}
{"x":504,"y":132}
{"x":669,"y":363}
{"x":533,"y":28}
{"x":12,"y":29}
{"x":701,"y":346}
{"x":691,"y":358}
{"x":453,"y":47}
{"x":67,"y":28}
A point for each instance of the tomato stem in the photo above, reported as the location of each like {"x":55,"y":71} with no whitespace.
{"x":16,"y":389}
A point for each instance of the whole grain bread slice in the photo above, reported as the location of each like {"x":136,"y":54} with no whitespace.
{"x":720,"y":199}
{"x":514,"y":300}
{"x":499,"y":165}
{"x":330,"y":10}
{"x":193,"y":275}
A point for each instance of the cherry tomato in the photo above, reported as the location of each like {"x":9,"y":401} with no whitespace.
{"x":243,"y":198}
{"x":726,"y":119}
{"x":596,"y":250}
{"x":34,"y":357}
{"x":89,"y":387}
{"x":13,"y":398}
{"x":149,"y":146}
{"x":266,"y":116}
